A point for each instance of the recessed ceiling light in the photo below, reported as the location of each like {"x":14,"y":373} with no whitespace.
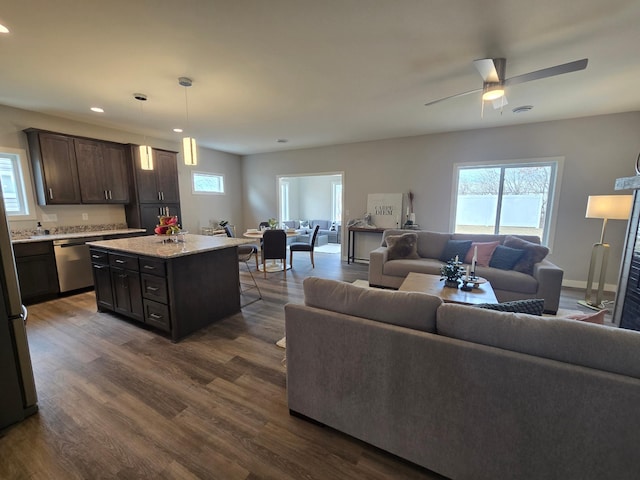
{"x":97,"y":109}
{"x":522,"y":109}
{"x":3,"y":29}
{"x":177,"y":130}
{"x":282,"y":140}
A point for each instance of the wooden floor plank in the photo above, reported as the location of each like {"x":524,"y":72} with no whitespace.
{"x":120,"y":401}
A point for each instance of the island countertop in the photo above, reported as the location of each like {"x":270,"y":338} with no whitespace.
{"x":161,"y":246}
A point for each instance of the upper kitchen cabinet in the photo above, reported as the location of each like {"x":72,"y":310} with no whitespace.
{"x":54,"y":168}
{"x":161,"y":183}
{"x":102,"y":170}
{"x":73,"y":170}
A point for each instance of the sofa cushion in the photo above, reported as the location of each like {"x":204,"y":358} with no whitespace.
{"x":485,"y":251}
{"x":431,"y":244}
{"x":407,"y":309}
{"x":505,"y":258}
{"x":532,"y":306}
{"x":534,"y":253}
{"x":605,"y":348}
{"x":594,"y":317}
{"x":402,"y":246}
{"x":455,"y":248}
{"x":509,"y":280}
{"x":324,"y":224}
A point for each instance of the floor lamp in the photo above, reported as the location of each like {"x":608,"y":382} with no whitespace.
{"x":606,"y":207}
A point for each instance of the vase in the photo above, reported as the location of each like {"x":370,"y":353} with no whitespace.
{"x":451,"y":283}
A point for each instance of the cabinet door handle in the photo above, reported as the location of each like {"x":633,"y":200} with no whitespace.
{"x":120,"y":261}
{"x":110,"y":195}
{"x":152,"y":289}
{"x":100,"y":267}
{"x":159,"y":198}
{"x":149,"y":267}
{"x":155,"y":317}
{"x":162,"y":195}
{"x":50,"y":194}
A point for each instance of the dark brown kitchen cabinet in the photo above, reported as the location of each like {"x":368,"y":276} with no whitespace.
{"x":54,"y":165}
{"x":149,"y":213}
{"x":101,"y":278}
{"x":37,"y":274}
{"x":153,"y":192}
{"x":161,"y":183}
{"x":102,"y":170}
{"x":74,"y":170}
{"x":127,"y":299}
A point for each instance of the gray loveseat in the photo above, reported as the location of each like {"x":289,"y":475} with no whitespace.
{"x":545,"y":281}
{"x":466,"y":392}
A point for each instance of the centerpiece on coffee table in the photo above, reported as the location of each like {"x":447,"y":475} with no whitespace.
{"x":451,"y":273}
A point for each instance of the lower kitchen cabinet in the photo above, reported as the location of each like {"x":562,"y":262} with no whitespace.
{"x":127,"y":298}
{"x":37,"y":274}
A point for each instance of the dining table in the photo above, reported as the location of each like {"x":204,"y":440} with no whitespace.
{"x":273,"y":265}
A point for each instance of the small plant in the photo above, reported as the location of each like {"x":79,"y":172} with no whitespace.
{"x":451,"y":271}
{"x":223,"y":223}
{"x":273,"y":223}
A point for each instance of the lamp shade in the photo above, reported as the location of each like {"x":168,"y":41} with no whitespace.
{"x":611,"y":207}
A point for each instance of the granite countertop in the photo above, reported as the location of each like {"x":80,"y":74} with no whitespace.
{"x":62,"y":236}
{"x":162,"y":247}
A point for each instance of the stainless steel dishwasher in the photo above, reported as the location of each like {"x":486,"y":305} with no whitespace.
{"x":73,"y":263}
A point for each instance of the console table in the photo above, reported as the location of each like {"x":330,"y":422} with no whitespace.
{"x":351,"y":243}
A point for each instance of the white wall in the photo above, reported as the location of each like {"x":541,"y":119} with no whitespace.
{"x":196,"y":209}
{"x":596,"y":151}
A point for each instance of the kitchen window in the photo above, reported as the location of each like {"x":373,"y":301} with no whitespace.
{"x":207,"y":183}
{"x":17,"y":193}
{"x":516,"y":198}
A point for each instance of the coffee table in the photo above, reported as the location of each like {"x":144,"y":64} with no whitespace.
{"x":431,"y":284}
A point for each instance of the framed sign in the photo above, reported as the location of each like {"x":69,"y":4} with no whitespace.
{"x":385,"y":209}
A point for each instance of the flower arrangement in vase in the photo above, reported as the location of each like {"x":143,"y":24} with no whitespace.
{"x":273,"y":223}
{"x":451,"y":273}
{"x":167,"y":225}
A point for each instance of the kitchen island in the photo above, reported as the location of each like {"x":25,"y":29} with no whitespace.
{"x":174,"y":286}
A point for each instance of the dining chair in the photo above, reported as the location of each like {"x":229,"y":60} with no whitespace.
{"x":304,"y":247}
{"x":244,"y":255}
{"x":274,"y":247}
{"x":243,"y":249}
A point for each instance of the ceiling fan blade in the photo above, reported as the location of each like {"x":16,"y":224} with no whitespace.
{"x":491,"y":69}
{"x":453,"y":96}
{"x":548,"y":72}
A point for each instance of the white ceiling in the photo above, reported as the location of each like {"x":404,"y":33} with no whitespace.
{"x":315,"y":72}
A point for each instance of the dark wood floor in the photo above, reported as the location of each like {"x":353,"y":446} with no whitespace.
{"x":119,"y":401}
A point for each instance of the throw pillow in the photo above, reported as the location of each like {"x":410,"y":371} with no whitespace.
{"x":304,"y":223}
{"x":485,"y":250}
{"x":402,"y":246}
{"x":532,"y":306}
{"x":455,"y":247}
{"x":534,"y":253}
{"x":505,"y":258}
{"x":597,"y":317}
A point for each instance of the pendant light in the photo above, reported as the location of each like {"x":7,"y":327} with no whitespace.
{"x":189,"y":147}
{"x":145,"y":151}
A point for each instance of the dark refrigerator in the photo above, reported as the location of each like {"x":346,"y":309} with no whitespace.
{"x":17,"y":388}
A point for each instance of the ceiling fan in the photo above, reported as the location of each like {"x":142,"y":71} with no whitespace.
{"x":492,"y":71}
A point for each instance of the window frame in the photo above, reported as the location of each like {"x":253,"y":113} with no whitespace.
{"x":207,"y":174}
{"x":22,"y":174}
{"x":548,"y":235}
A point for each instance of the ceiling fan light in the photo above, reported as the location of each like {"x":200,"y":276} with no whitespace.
{"x":190,"y":151}
{"x":492,"y":91}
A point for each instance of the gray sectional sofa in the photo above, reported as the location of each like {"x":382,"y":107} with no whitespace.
{"x":326,"y":233}
{"x":466,"y":392}
{"x":544,"y":281}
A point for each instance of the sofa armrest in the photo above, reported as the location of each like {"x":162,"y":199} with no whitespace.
{"x":377,"y":259}
{"x":549,"y":277}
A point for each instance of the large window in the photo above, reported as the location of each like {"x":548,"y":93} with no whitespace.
{"x":514,"y":198}
{"x":17,"y":197}
{"x":284,"y":201}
